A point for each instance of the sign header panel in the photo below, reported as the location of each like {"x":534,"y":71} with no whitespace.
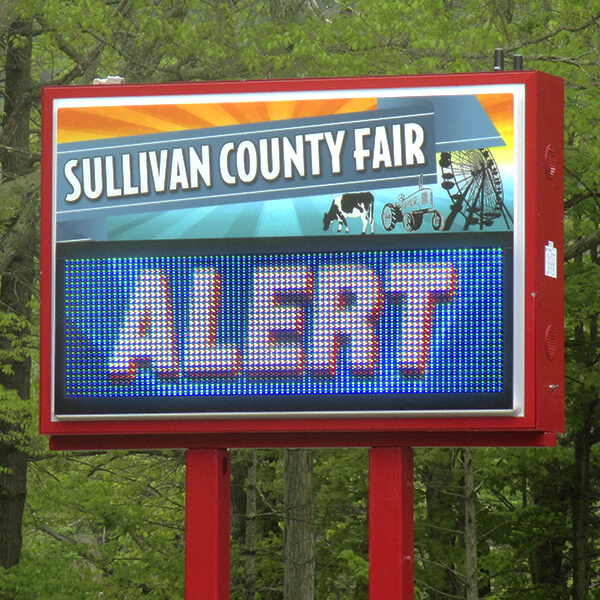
{"x":335,"y":249}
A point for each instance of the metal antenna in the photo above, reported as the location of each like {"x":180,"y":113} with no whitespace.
{"x":518,"y":62}
{"x":499,"y":59}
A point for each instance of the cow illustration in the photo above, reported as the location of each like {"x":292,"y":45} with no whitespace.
{"x":350,"y":204}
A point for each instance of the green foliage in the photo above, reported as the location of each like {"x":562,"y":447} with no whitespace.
{"x":341,"y":505}
{"x":340,"y":484}
{"x":102,"y":526}
{"x":111,"y":525}
{"x":268,"y":551}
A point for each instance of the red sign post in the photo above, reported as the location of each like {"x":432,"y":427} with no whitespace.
{"x":341,"y":262}
{"x":391,"y":524}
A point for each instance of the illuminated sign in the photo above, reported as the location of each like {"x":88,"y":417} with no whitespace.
{"x":306,"y":254}
{"x":328,"y":331}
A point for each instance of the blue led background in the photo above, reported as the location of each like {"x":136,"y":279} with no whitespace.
{"x":468,"y":365}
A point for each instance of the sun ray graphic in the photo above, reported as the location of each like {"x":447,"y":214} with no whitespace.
{"x":500,"y":110}
{"x":85,"y":123}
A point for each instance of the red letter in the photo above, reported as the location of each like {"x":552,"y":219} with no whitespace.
{"x":203,"y":356}
{"x":276,"y":322}
{"x":147,"y":334}
{"x":422,"y":285}
{"x":347,"y":307}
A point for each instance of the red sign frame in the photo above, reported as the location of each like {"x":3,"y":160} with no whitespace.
{"x":542,"y":414}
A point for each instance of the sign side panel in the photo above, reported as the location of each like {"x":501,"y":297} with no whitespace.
{"x":548,"y":152}
{"x":47,"y":265}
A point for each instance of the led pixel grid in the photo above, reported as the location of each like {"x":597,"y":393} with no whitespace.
{"x":368,"y":330}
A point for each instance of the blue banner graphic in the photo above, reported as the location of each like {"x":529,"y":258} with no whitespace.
{"x":244,"y":163}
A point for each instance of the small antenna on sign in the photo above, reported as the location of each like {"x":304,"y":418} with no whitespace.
{"x":518,"y":62}
{"x":499,"y":59}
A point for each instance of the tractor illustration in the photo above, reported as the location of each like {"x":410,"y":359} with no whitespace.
{"x":411,"y":209}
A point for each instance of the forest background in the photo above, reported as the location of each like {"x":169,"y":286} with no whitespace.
{"x":110,"y":525}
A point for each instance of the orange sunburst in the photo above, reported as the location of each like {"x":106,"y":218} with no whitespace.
{"x":76,"y":124}
{"x":500,"y":109}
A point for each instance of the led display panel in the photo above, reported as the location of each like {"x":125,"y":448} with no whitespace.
{"x":319,"y":331}
{"x":313,"y":254}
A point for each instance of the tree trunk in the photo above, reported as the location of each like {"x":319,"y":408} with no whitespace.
{"x":581,"y":506}
{"x":299,"y":536}
{"x":14,"y":297}
{"x":442,"y":523}
{"x":471,"y":579}
{"x":13,"y":487}
{"x":15,"y":157}
{"x":16,"y":289}
{"x":548,"y":569}
{"x":250,"y":533}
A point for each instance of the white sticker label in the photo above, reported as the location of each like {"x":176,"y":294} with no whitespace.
{"x":550,"y":260}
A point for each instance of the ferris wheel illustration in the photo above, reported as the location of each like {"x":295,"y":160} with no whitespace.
{"x":473,"y":182}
